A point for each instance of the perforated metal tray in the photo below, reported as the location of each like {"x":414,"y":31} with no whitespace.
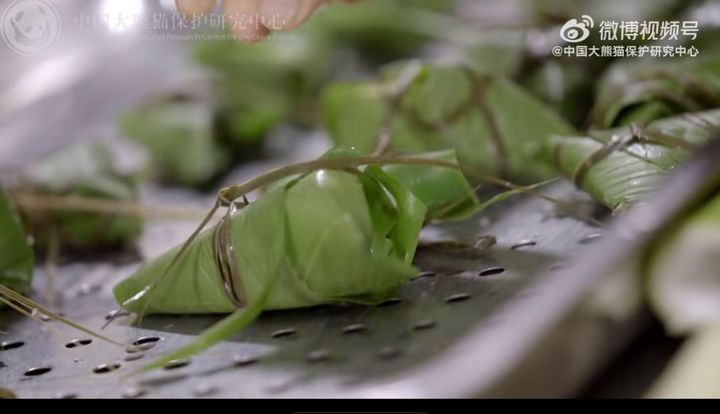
{"x":321,"y":352}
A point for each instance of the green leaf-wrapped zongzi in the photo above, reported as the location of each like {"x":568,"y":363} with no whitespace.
{"x":619,"y":167}
{"x":493,"y":124}
{"x":362,"y":225}
{"x":84,"y":171}
{"x":332,"y":235}
{"x":180,"y":136}
{"x":642,"y":91}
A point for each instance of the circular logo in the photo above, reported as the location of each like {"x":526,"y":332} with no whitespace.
{"x":30,"y":26}
{"x":574,"y":31}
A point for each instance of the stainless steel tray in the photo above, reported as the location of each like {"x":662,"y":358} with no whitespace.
{"x":328,"y":351}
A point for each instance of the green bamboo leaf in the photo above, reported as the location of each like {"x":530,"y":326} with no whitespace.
{"x":494,"y":125}
{"x":222,"y":330}
{"x":445,"y":192}
{"x":17,"y":259}
{"x":642,"y":91}
{"x":323,"y":225}
{"x":353,"y":114}
{"x":618,"y":168}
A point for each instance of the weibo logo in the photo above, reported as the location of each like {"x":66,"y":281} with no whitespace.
{"x":574,"y":31}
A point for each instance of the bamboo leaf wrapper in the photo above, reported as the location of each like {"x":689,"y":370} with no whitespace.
{"x":326,"y":237}
{"x":494,"y":125}
{"x":619,"y":167}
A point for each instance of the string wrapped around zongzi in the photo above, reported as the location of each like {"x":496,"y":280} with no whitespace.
{"x":494,"y":125}
{"x":619,"y":167}
{"x":642,"y":90}
{"x":330,"y":236}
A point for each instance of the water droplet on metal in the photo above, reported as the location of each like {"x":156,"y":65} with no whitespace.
{"x":424,"y":324}
{"x":354,"y":328}
{"x":457,"y":297}
{"x":116,"y":314}
{"x":495,"y":270}
{"x":591,"y":238}
{"x":284,"y":332}
{"x":6,"y":346}
{"x":523,"y":243}
{"x":34,"y":372}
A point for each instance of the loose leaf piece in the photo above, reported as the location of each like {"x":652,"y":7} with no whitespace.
{"x":494,"y":125}
{"x":620,"y":167}
{"x":16,"y":256}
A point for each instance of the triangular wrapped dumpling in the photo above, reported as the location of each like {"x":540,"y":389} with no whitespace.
{"x":494,"y":125}
{"x":330,"y":236}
